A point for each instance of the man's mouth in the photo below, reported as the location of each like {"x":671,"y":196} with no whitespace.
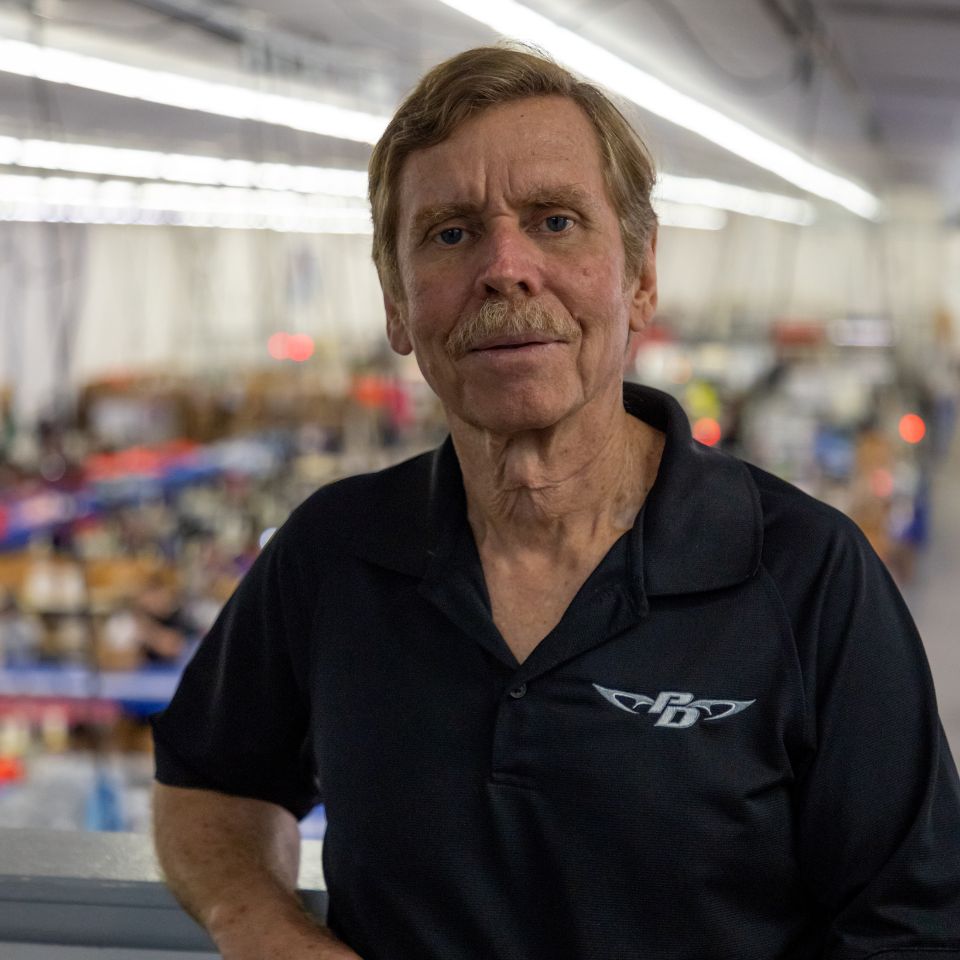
{"x":513,"y":342}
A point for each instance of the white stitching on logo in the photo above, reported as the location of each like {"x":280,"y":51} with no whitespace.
{"x":674,"y":710}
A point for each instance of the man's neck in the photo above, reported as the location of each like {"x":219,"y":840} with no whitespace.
{"x":580,"y":481}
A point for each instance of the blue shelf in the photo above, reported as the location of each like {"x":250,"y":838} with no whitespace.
{"x":140,"y":691}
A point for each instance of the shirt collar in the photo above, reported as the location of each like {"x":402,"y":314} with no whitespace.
{"x":702,"y":525}
{"x":700,"y":529}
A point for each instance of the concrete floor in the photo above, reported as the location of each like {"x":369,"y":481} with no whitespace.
{"x":934,"y":593}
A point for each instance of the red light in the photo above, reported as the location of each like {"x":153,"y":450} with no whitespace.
{"x":278,"y":346}
{"x":290,"y":346}
{"x":912,"y":428}
{"x":707,"y":431}
{"x":299,"y":347}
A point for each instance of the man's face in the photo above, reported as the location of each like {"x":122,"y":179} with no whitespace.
{"x":515,"y":299}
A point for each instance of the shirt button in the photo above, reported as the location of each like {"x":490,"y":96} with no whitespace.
{"x":518,"y":692}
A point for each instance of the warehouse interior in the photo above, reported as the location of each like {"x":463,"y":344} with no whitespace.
{"x":192,"y":329}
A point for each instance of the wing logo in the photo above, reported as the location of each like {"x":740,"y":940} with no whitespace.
{"x":673,"y":709}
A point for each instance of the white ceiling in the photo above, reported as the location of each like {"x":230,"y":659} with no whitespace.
{"x":867,"y":88}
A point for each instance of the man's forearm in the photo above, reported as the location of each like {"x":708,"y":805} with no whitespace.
{"x":233,"y":863}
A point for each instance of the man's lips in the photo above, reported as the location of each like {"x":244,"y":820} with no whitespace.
{"x":513,"y":341}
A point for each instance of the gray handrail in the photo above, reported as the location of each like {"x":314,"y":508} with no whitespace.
{"x":105,"y":890}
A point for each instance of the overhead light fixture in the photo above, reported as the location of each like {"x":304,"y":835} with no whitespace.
{"x":93,"y":73}
{"x":81,"y":200}
{"x":105,"y":161}
{"x":180,"y":168}
{"x":690,"y":216}
{"x":187,"y":93}
{"x":521,"y":23}
{"x":126,"y":203}
{"x":729,"y":196}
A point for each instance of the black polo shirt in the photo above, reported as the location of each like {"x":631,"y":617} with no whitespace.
{"x":728,"y":748}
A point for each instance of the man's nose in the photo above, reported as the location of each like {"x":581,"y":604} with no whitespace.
{"x":511,"y":262}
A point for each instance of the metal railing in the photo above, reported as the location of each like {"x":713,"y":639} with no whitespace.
{"x":62,"y":892}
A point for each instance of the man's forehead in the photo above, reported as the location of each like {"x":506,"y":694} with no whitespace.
{"x":526,"y":150}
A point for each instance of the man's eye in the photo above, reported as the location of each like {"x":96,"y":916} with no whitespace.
{"x":451,"y":236}
{"x":557,"y":223}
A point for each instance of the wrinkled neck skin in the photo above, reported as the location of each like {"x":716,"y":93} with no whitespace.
{"x":550,"y":491}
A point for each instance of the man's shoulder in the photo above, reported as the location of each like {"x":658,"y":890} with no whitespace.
{"x":801,"y":532}
{"x":376,"y":513}
{"x":784,"y":502}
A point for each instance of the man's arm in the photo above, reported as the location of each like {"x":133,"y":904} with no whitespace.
{"x":877,"y":797}
{"x":233,"y":863}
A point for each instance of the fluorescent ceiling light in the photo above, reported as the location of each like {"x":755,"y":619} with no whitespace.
{"x":123,"y":202}
{"x":62,"y":66}
{"x":187,"y":93}
{"x":180,"y":168}
{"x":106,"y":161}
{"x":80,"y":200}
{"x":728,"y":196}
{"x":692,"y":217}
{"x":519,"y":22}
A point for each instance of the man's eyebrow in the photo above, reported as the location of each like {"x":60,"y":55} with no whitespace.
{"x":426,"y":217}
{"x":565,"y":196}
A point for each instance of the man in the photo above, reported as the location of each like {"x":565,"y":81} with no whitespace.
{"x":572,"y":685}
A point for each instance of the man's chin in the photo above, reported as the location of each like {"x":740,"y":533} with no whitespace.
{"x":509,"y":415}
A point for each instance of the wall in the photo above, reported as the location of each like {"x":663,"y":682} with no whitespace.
{"x":79,"y":302}
{"x":755,"y":270}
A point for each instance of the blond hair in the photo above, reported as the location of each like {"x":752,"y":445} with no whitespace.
{"x":474,"y":80}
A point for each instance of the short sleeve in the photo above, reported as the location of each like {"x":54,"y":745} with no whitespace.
{"x":239,"y":722}
{"x":879,"y":802}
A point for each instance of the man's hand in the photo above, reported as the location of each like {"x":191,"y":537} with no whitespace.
{"x":233,"y":863}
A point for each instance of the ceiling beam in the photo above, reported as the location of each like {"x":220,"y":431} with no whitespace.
{"x":195,"y":16}
{"x":930,"y":88}
{"x":805,"y":29}
{"x":917,"y":13}
{"x":300,"y":55}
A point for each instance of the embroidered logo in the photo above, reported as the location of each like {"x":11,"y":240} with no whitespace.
{"x":673,"y":709}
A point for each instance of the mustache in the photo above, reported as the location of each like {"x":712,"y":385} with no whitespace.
{"x":498,"y":318}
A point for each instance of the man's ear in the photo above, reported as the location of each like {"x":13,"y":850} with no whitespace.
{"x":396,"y":325}
{"x":643,"y":301}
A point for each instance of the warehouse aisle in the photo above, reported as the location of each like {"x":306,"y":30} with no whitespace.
{"x":934,"y":595}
